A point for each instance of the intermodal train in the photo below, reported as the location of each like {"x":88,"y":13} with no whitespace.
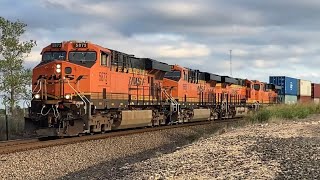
{"x":81,"y":87}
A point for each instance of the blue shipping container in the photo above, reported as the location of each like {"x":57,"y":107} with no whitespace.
{"x":289,"y":85}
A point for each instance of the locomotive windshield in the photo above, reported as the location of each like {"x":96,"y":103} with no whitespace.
{"x":82,"y":56}
{"x":174,"y":75}
{"x":54,"y":55}
{"x":256,"y":87}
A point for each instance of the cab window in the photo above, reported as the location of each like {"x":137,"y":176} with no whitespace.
{"x":173,"y":75}
{"x":54,"y":55}
{"x":256,"y":87}
{"x":185,"y":76}
{"x":82,"y":56}
{"x":105,"y":59}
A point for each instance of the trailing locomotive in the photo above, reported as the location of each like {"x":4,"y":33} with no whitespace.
{"x":81,"y":87}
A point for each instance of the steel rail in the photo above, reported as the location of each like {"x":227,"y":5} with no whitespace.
{"x":31,"y":144}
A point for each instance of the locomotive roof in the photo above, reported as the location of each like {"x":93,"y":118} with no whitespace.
{"x":230,"y":80}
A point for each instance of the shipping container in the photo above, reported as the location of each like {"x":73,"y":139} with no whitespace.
{"x":304,"y":88}
{"x":304,"y":99}
{"x":289,"y":86}
{"x":316,"y":100}
{"x":315,"y":90}
{"x":288,"y":99}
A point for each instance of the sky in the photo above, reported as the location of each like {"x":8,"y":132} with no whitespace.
{"x":266,"y":37}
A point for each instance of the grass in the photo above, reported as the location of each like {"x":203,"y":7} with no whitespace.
{"x":296,"y":111}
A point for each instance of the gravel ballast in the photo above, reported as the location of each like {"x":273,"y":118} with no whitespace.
{"x":270,"y":151}
{"x":99,"y":158}
{"x":263,"y":151}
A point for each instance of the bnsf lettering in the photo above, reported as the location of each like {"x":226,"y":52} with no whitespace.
{"x":51,"y":77}
{"x":55,"y":77}
{"x":136,"y":81}
{"x":201,"y":88}
{"x":80,"y":77}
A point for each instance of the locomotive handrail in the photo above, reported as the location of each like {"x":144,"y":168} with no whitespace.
{"x":81,"y":97}
{"x":40,"y":88}
{"x":173,"y":101}
{"x":36,"y":87}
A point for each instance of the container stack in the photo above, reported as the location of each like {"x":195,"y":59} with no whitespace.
{"x":304,"y":91}
{"x":315,"y":92}
{"x":289,"y":88}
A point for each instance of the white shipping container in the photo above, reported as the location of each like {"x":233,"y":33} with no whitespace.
{"x":288,"y":99}
{"x":304,"y":88}
{"x":316,"y":100}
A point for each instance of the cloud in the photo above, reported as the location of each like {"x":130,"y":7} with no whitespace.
{"x":266,"y":37}
{"x":260,"y":63}
{"x":184,"y":50}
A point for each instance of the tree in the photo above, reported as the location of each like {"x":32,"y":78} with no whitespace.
{"x":14,"y":78}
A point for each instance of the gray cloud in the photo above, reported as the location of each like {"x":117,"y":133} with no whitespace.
{"x":267,"y":37}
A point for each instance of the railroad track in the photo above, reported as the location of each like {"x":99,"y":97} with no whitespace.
{"x":30,"y":144}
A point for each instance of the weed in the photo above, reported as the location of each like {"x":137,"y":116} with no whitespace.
{"x":296,"y":111}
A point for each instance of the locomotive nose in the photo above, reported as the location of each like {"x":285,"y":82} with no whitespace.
{"x":47,"y":81}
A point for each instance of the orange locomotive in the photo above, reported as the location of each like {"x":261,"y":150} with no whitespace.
{"x":262,"y":93}
{"x":81,"y":87}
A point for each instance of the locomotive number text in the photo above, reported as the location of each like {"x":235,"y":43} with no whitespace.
{"x":102,"y":76}
{"x":81,"y":45}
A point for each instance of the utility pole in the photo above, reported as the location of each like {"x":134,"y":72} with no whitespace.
{"x":7,"y":123}
{"x":230,"y":62}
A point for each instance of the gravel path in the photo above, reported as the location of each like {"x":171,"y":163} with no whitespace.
{"x":99,"y":158}
{"x":271,"y":151}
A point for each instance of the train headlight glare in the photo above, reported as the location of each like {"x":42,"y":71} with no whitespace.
{"x":37,"y":96}
{"x":58,"y":70}
{"x":68,"y":96}
{"x":58,"y":66}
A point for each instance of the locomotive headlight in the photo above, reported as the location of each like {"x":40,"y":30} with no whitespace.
{"x":67,"y":96}
{"x":37,"y":96}
{"x":58,"y":68}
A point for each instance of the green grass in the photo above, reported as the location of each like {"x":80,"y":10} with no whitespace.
{"x":296,"y":111}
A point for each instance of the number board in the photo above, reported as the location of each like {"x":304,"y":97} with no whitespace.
{"x":56,"y":45}
{"x":80,"y":45}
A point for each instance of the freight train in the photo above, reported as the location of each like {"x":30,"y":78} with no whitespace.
{"x":81,"y":87}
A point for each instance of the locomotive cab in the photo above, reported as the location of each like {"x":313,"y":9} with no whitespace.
{"x":58,"y":82}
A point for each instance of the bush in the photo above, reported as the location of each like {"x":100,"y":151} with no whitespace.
{"x":261,"y":116}
{"x":296,"y":111}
